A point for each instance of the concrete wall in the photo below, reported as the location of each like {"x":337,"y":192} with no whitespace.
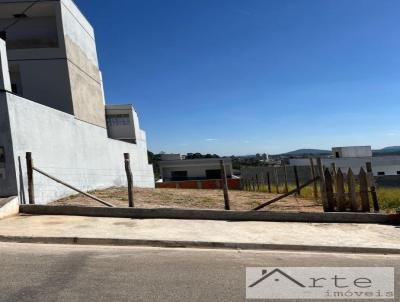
{"x":75,"y":151}
{"x":390,"y":165}
{"x":84,"y":74}
{"x":54,"y":50}
{"x":8,"y":184}
{"x":5,"y":83}
{"x":46,"y":81}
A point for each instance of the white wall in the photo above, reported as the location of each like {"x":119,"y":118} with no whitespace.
{"x":194,"y":171}
{"x":75,"y":151}
{"x":356,"y":151}
{"x":390,"y":165}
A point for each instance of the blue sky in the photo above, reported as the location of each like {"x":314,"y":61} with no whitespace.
{"x":241,"y":77}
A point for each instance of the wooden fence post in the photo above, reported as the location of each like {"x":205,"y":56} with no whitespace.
{"x":329,"y":190}
{"x":322,"y":186}
{"x":373,"y":188}
{"x":296,"y":176}
{"x":129,"y":178}
{"x":312,"y":167}
{"x":334,"y":169}
{"x":286,"y":179}
{"x":340,"y":195}
{"x":365,"y":207}
{"x":29,"y":167}
{"x":352,"y":191}
{"x":276,"y":180}
{"x":269,"y":182}
{"x":258,"y":183}
{"x":253,"y":186}
{"x":225,"y":186}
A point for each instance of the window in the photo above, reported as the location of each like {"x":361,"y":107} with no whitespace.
{"x":398,"y":172}
{"x":15,"y":77}
{"x":337,"y":154}
{"x":118,"y":120}
{"x":179,"y":175}
{"x":213,"y":174}
{"x":32,"y":32}
{"x":381,"y":173}
{"x":14,"y":88}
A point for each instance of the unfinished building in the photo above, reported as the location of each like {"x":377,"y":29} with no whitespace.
{"x":52,"y":104}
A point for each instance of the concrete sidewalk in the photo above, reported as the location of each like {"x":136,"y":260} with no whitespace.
{"x":370,"y":238}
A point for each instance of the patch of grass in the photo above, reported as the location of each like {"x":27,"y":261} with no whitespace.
{"x":389,"y":198}
{"x":207,"y":200}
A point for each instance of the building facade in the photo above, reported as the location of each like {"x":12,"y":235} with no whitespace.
{"x":52,"y":104}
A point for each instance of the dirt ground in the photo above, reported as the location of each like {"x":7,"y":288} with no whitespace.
{"x":204,"y":199}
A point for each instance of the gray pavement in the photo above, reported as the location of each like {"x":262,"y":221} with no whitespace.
{"x":297,"y":235}
{"x":34,"y":272}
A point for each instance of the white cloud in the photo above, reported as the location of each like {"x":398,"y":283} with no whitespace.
{"x":211,"y":139}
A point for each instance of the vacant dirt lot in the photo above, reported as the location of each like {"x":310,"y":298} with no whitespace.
{"x":205,"y":199}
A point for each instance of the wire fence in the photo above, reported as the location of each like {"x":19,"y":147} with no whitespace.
{"x":274,"y":179}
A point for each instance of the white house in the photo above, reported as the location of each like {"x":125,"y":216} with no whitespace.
{"x":52,"y":104}
{"x":194,"y":169}
{"x":355,"y":158}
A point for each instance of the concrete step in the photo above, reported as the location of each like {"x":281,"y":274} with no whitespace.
{"x":9,"y":206}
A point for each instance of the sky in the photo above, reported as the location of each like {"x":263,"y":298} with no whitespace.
{"x":237,"y":77}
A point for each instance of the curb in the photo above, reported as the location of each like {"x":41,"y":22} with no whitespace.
{"x":196,"y":244}
{"x":166,"y":213}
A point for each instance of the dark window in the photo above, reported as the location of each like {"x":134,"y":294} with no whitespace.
{"x":14,"y":88}
{"x":2,"y":156}
{"x":398,"y":172}
{"x":118,"y":120}
{"x":213,"y":174}
{"x":337,"y":154}
{"x":179,"y":175}
{"x":381,"y":173}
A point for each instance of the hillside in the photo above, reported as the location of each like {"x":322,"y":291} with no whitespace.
{"x":305,"y":152}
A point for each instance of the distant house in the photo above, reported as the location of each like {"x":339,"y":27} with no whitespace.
{"x":352,"y":152}
{"x":356,"y":157}
{"x":194,"y":169}
{"x":171,"y":156}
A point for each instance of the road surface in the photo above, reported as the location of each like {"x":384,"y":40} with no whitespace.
{"x":35,"y":272}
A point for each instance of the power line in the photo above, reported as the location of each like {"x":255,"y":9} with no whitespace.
{"x":20,"y":15}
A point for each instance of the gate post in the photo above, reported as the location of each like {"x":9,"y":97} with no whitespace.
{"x":29,"y":167}
{"x":225,"y":185}
{"x":129,"y":179}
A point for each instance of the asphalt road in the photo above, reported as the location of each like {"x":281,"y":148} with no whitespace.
{"x":32,"y":272}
